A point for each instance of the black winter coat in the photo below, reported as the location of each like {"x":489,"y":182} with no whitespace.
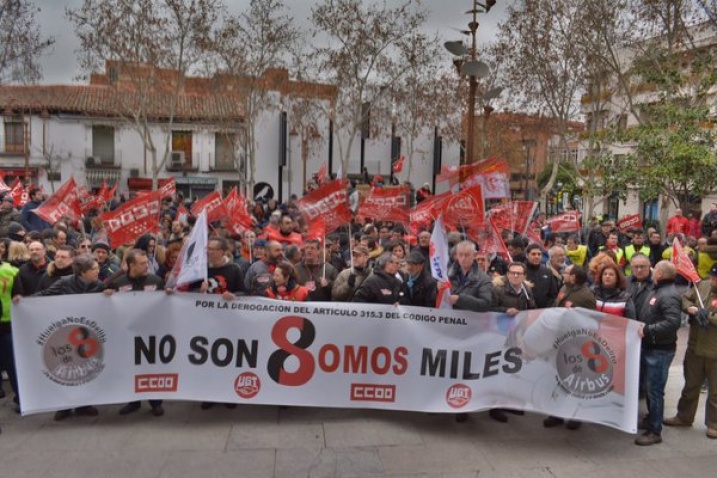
{"x":545,"y":286}
{"x":379,"y":288}
{"x":662,"y":315}
{"x":423,"y":293}
{"x":473,"y":290}
{"x":72,"y":285}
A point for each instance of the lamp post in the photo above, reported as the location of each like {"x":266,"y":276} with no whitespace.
{"x":467,"y":63}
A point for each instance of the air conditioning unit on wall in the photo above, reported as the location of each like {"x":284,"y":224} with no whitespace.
{"x":134,"y":173}
{"x":177,"y":159}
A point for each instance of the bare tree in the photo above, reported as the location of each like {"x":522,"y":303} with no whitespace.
{"x":21,"y":43}
{"x":540,"y":49}
{"x":362,"y":51}
{"x":153,"y":45}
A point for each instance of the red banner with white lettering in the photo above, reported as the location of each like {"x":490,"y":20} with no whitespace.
{"x":330,"y":201}
{"x":132,"y":219}
{"x":566,"y":222}
{"x":168,"y":190}
{"x":65,"y":202}
{"x":387,"y":204}
{"x":426,"y":212}
{"x":633,"y":221}
{"x":214,"y":205}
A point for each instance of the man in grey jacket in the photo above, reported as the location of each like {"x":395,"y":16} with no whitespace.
{"x":470,"y":286}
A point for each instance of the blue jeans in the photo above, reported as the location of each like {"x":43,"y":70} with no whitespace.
{"x":656,"y":365}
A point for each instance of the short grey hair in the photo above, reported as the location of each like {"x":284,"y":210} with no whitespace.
{"x":554,"y":249}
{"x":382,"y":260}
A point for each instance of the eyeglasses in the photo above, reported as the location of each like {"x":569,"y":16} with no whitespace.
{"x":640,"y":267}
{"x":85,"y":246}
{"x":515,"y":273}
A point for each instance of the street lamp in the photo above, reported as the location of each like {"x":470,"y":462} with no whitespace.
{"x":468,"y":65}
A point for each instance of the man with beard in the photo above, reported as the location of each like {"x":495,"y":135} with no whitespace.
{"x":259,"y":276}
{"x":314,"y":273}
{"x":285,"y":234}
{"x":32,"y":271}
{"x":349,"y":280}
{"x":137,"y":278}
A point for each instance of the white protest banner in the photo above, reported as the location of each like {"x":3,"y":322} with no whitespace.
{"x":571,"y":363}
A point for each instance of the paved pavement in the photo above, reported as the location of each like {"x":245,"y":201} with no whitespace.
{"x":265,"y":441}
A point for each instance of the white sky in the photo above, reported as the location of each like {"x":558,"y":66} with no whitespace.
{"x":60,"y":66}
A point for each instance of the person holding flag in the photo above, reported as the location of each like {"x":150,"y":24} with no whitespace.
{"x":700,"y":363}
{"x":350,"y":279}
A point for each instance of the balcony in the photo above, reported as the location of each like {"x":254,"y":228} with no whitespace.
{"x":177,"y":162}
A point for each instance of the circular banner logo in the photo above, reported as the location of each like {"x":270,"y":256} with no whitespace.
{"x":247,"y":385}
{"x":73,"y":354}
{"x":585,"y":366}
{"x":458,"y":395}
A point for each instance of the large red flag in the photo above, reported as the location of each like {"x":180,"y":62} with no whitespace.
{"x":566,"y":222}
{"x":133,"y":218}
{"x":682,"y":261}
{"x":464,"y":209}
{"x":488,"y":238}
{"x":65,"y":202}
{"x":523,"y":212}
{"x":168,"y":190}
{"x":239,"y":221}
{"x":330,"y":201}
{"x":387,"y":204}
{"x":426,"y":212}
{"x":633,"y":221}
{"x":214,"y":205}
{"x":317,"y":230}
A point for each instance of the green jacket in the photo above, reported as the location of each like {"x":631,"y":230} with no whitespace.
{"x":703,"y":342}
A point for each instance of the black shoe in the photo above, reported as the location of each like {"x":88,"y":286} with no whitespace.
{"x":230,"y":406}
{"x":158,"y":411}
{"x":551,"y":422}
{"x":129,"y":408}
{"x":62,"y":414}
{"x":648,"y":438}
{"x":573,"y":425}
{"x":498,"y":415}
{"x":514,"y":412}
{"x":206,"y":405}
{"x":461,"y":417}
{"x":88,"y":411}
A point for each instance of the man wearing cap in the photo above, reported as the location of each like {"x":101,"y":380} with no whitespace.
{"x":16,"y":232}
{"x":700,"y":362}
{"x":349,"y":280}
{"x":8,"y":214}
{"x":419,"y":288}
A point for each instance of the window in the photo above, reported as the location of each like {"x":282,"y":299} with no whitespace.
{"x":182,"y":141}
{"x":14,"y":135}
{"x":103,"y":144}
{"x":224,"y":152}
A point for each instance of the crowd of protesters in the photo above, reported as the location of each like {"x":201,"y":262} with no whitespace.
{"x":628,"y":274}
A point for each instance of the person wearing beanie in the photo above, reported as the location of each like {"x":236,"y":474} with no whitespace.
{"x":15,"y":231}
{"x":8,"y":214}
{"x":101,"y":251}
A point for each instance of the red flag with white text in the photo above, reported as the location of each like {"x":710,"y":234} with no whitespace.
{"x":19,"y":194}
{"x":132,"y":219}
{"x":330,"y":201}
{"x":398,"y":165}
{"x":239,"y":221}
{"x":214,"y":205}
{"x":65,"y":202}
{"x":464,"y":209}
{"x":387,"y":204}
{"x":684,"y":264}
{"x":566,"y":222}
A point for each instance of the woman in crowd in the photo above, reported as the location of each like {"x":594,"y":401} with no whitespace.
{"x":285,"y":286}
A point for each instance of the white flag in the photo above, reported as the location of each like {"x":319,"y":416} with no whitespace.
{"x":438,"y":258}
{"x":191,"y":264}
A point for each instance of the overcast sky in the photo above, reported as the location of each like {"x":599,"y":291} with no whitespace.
{"x":60,"y":66}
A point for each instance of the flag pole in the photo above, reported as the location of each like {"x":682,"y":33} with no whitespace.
{"x":324,"y":248}
{"x":699,"y":297}
{"x":351,"y":252}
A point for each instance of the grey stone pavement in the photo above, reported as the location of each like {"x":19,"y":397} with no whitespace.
{"x":265,"y":441}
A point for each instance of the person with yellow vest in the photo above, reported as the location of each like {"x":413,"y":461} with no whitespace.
{"x":576,"y":252}
{"x":613,"y":244}
{"x":706,"y":257}
{"x":9,"y":289}
{"x":636,"y":246}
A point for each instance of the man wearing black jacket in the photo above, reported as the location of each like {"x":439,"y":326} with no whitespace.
{"x":137,"y":278}
{"x":662,"y":314}
{"x":61,"y":266}
{"x":545,"y":286}
{"x":32,"y":271}
{"x":382,"y":286}
{"x":420,"y":288}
